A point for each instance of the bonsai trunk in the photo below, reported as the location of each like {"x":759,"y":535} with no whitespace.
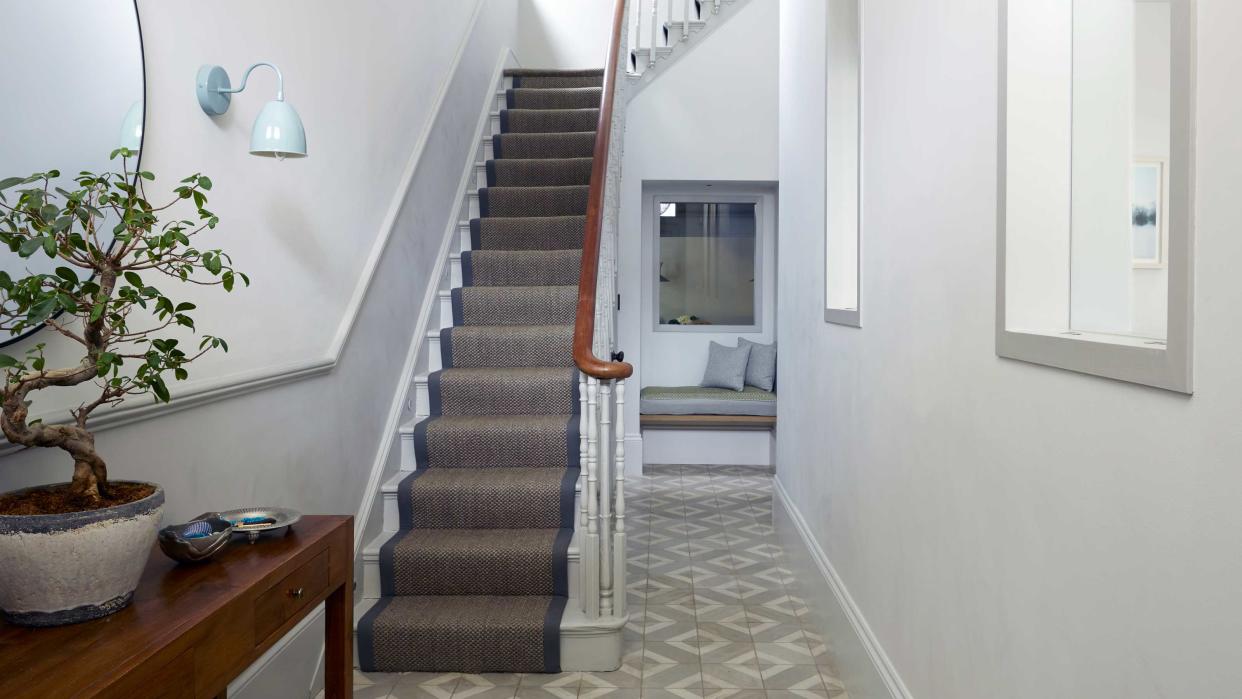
{"x":90,"y":473}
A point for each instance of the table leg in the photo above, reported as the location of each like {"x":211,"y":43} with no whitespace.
{"x":339,"y":656}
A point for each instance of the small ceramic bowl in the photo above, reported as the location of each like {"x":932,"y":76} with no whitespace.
{"x":197,"y":540}
{"x":256,"y":521}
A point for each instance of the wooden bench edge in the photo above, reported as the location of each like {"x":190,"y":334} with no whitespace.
{"x":708,"y":422}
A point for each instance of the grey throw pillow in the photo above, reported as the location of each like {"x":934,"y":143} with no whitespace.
{"x":726,"y":367}
{"x":761,"y":366}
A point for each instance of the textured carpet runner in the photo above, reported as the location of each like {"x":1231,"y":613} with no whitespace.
{"x":476,"y":580}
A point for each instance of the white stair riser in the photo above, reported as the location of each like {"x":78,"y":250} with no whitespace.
{"x":480,"y":174}
{"x":446,"y":309}
{"x":422,"y":397}
{"x":455,"y":270}
{"x":463,"y":231}
{"x":434,"y":362}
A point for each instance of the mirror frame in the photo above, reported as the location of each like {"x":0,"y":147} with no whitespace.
{"x":836,"y":314}
{"x":142,"y":58}
{"x":1111,"y":356}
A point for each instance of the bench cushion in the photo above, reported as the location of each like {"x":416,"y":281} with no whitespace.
{"x":700,"y":400}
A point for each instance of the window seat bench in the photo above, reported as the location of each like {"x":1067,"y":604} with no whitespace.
{"x":697,"y":407}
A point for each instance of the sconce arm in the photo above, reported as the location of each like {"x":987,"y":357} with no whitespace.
{"x":280,"y":81}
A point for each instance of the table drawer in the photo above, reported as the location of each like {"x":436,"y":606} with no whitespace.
{"x":286,"y":598}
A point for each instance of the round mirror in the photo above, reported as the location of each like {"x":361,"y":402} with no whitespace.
{"x":76,"y":92}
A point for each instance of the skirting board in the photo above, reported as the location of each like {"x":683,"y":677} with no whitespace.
{"x":865,"y":668}
{"x":726,"y":448}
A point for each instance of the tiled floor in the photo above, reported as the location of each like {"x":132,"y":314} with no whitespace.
{"x":713,"y":610}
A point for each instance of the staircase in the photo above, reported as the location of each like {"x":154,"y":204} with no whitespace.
{"x":503,"y":541}
{"x":478,"y":568}
{"x":661,"y":30}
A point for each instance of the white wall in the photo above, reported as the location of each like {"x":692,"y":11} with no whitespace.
{"x":711,"y":117}
{"x":303,"y":230}
{"x":1007,"y":530}
{"x":564,"y":33}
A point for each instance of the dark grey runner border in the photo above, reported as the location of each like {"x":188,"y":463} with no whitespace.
{"x":552,"y":634}
{"x":560,"y":562}
{"x":568,"y":481}
{"x":366,"y":635}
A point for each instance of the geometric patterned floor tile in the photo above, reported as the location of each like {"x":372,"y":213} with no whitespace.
{"x":714,"y":609}
{"x":672,"y":676}
{"x":792,"y":677}
{"x":735,"y":676}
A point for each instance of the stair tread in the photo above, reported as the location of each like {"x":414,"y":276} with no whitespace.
{"x":507,"y":345}
{"x":553,"y":72}
{"x":371,"y":550}
{"x":442,"y":561}
{"x":573,"y":144}
{"x":503,"y":391}
{"x":497,"y":441}
{"x":527,"y":233}
{"x":514,"y":305}
{"x":390,"y":487}
{"x":535,"y":172}
{"x":554,"y":98}
{"x":505,"y":268}
{"x":540,"y":201}
{"x":467,"y":633}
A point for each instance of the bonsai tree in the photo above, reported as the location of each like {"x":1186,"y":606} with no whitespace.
{"x":110,"y":246}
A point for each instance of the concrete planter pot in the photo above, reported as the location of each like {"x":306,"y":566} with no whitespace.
{"x":67,"y":568}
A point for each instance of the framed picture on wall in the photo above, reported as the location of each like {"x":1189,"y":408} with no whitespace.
{"x":1148,"y":204}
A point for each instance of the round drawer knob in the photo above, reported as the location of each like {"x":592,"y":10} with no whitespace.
{"x":299,"y":593}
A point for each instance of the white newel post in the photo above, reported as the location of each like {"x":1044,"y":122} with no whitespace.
{"x":584,"y":574}
{"x":618,"y":466}
{"x":605,"y":498}
{"x":589,"y":550}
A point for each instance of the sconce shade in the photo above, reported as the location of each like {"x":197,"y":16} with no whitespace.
{"x":278,"y":132}
{"x":131,"y":128}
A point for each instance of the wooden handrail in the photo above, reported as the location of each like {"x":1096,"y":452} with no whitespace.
{"x":584,"y":324}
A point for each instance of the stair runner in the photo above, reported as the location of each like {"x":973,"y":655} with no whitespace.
{"x":476,"y":580}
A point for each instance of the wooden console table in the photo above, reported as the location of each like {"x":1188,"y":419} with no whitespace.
{"x":193,"y":628}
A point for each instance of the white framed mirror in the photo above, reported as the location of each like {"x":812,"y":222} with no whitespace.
{"x":1095,"y":187}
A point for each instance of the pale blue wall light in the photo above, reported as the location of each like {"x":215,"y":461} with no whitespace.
{"x":278,"y":131}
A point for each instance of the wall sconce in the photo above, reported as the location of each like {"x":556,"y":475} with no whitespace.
{"x":277,"y":132}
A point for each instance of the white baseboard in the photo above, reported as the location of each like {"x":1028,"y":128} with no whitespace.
{"x":866,"y":669}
